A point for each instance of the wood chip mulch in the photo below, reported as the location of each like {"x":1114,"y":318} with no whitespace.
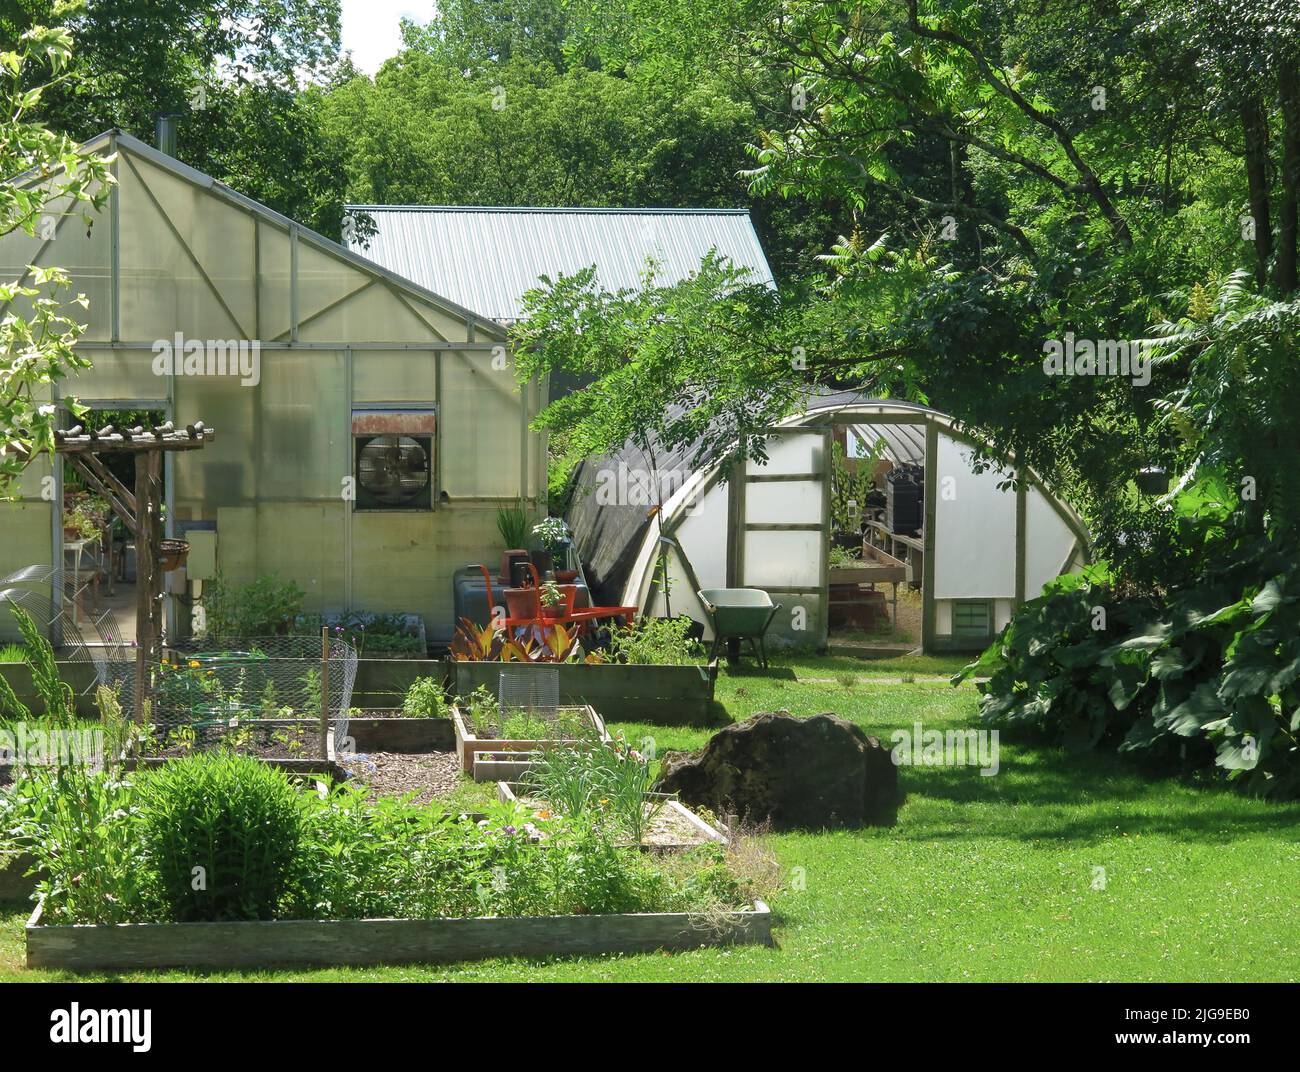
{"x":394,"y":774}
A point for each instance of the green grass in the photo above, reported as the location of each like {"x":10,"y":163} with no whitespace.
{"x":982,"y":878}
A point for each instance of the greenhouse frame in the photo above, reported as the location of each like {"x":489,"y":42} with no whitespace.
{"x":205,"y":305}
{"x":991,"y":538}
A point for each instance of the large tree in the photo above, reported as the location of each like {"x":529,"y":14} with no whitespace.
{"x":233,"y":72}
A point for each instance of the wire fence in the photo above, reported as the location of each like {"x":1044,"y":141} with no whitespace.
{"x":264,"y":690}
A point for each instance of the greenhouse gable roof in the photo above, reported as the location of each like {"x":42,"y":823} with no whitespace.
{"x":487,"y":258}
{"x":116,"y":140}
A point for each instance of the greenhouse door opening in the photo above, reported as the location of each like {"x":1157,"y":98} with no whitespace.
{"x":99,"y":560}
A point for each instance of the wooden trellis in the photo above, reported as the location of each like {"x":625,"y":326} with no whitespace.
{"x":140,"y":510}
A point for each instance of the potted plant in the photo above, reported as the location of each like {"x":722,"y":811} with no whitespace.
{"x":553,"y":536}
{"x":556,"y":599}
{"x":512,"y":524}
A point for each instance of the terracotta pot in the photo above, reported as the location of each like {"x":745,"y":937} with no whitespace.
{"x":566,"y":576}
{"x":522,"y":602}
{"x":570,"y":593}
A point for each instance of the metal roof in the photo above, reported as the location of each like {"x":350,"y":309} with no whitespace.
{"x":486,"y":258}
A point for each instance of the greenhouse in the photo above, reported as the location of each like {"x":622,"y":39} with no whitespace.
{"x":655,"y":532}
{"x":367,"y":429}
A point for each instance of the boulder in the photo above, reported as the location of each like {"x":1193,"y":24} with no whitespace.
{"x":794,"y":773}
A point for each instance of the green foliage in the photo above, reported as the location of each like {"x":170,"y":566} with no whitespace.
{"x":656,"y":641}
{"x":513,"y":525}
{"x":82,"y":827}
{"x":483,"y":710}
{"x":222,"y":831}
{"x":699,"y":360}
{"x":57,"y":700}
{"x":524,"y":726}
{"x":264,"y":607}
{"x":391,"y":858}
{"x":39,"y":330}
{"x":551,"y":533}
{"x":424,"y":699}
{"x":849,"y":487}
{"x":602,"y":780}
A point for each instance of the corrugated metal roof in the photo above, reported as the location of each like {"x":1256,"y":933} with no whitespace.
{"x":486,"y":258}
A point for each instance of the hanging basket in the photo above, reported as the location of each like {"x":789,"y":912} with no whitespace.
{"x":172,"y":554}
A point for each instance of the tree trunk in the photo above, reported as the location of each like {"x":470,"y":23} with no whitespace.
{"x":1289,"y":84}
{"x":1255,"y":127}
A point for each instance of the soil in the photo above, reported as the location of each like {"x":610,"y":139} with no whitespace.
{"x":394,"y":774}
{"x":288,"y":741}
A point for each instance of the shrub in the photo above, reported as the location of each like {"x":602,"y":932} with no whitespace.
{"x":266,"y":607}
{"x":231,"y":816}
{"x":656,"y":641}
{"x":424,"y":699}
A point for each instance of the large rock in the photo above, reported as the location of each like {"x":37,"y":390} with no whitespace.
{"x":794,"y":773}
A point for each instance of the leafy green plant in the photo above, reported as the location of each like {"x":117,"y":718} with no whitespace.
{"x":79,"y":821}
{"x":552,"y":533}
{"x":13,"y":653}
{"x":512,"y":524}
{"x":597,"y":777}
{"x":656,"y":641}
{"x":849,"y":489}
{"x":424,"y":699}
{"x":57,"y":698}
{"x":840,"y":557}
{"x":265,"y":607}
{"x":525,"y":726}
{"x":483,"y":711}
{"x":222,"y":830}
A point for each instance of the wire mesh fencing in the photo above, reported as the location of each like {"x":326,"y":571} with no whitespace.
{"x":535,"y":690}
{"x":263,"y":695}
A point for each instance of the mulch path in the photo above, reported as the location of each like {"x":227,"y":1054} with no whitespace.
{"x":394,"y":774}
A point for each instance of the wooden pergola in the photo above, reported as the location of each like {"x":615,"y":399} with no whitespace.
{"x":141,"y":513}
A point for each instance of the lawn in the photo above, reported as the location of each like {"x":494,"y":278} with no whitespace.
{"x":983,"y":878}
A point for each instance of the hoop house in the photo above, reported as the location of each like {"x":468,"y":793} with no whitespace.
{"x":979,"y":552}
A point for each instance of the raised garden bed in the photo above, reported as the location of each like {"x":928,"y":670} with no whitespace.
{"x":675,"y":828}
{"x":502,"y":766}
{"x":468,"y":742}
{"x":667,"y":695}
{"x":428,"y":775}
{"x":261,"y":743}
{"x":381,"y":941}
{"x":390,"y":732}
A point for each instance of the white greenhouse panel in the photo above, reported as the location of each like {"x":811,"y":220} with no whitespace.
{"x":784,"y":502}
{"x":1048,"y":541}
{"x":975,"y":523}
{"x":783,"y":559}
{"x":790,"y":452}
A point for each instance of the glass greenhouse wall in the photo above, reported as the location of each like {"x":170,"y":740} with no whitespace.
{"x":293,"y":349}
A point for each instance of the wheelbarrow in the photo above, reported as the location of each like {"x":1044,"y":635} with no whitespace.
{"x":739,"y":614}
